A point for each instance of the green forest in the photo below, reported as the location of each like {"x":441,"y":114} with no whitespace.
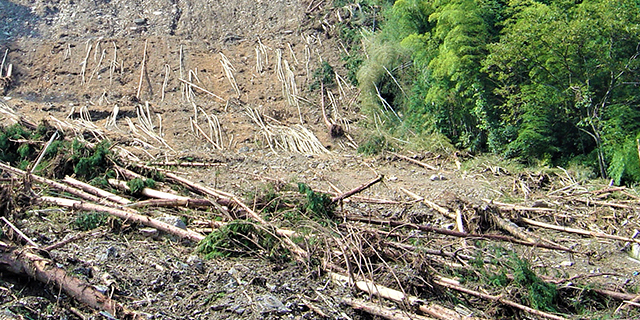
{"x":550,"y":82}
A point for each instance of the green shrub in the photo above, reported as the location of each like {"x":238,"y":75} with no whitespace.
{"x":90,"y":163}
{"x":324,"y":74}
{"x":138,"y":184}
{"x":242,"y":238}
{"x":318,"y":204}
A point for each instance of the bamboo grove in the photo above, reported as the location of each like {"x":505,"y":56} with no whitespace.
{"x":548,"y":82}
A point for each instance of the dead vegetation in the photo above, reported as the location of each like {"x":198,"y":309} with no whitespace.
{"x":485,"y":259}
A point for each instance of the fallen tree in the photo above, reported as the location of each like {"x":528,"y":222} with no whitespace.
{"x":25,"y":262}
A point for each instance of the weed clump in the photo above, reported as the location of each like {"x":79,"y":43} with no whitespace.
{"x":541,"y":295}
{"x":323,"y":75}
{"x":89,"y":163}
{"x":242,"y":238}
{"x":90,"y":220}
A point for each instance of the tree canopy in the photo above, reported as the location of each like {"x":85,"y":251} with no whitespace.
{"x":550,"y":81}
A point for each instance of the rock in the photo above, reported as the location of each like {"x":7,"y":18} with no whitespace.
{"x":174,"y":221}
{"x":148,"y":232}
{"x":566,"y":263}
{"x":112,"y":252}
{"x":268,"y":303}
{"x":437,"y":177}
{"x":101,"y":288}
{"x":140,"y":21}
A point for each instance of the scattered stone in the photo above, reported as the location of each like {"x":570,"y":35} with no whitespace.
{"x":437,"y":177}
{"x":268,"y":303}
{"x":101,"y":288}
{"x":112,"y":252}
{"x":148,"y":232}
{"x":140,"y":21}
{"x":174,"y":221}
{"x":566,"y":263}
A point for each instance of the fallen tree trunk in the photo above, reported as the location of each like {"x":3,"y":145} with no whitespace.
{"x":189,"y":203}
{"x":431,"y":309}
{"x":458,"y":234}
{"x":380,"y":311}
{"x":57,"y":185}
{"x":126,"y":215}
{"x":44,"y":270}
{"x":96,"y":191}
{"x":357,"y":190}
{"x":147,"y":192}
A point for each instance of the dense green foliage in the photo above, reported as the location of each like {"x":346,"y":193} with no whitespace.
{"x":545,"y":82}
{"x":20,"y":147}
{"x":138,"y":184}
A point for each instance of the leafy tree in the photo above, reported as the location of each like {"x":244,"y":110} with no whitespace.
{"x":548,"y":80}
{"x":582,"y":55}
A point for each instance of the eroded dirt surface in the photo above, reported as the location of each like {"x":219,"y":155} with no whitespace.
{"x":71,"y":55}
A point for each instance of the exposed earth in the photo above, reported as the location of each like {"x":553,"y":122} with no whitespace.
{"x":213,"y":82}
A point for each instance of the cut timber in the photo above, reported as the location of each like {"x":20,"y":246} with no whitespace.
{"x":433,"y":310}
{"x":20,"y":233}
{"x":187,"y":164}
{"x":57,"y":185}
{"x":443,"y":211}
{"x":447,"y":283}
{"x":44,"y":270}
{"x":357,"y":190}
{"x":514,"y":229}
{"x":577,"y":231}
{"x":148,"y":192}
{"x":414,"y":161}
{"x":189,"y":203}
{"x":380,"y":311}
{"x":96,"y":191}
{"x":126,"y":215}
{"x":458,"y":234}
{"x":509,"y":206}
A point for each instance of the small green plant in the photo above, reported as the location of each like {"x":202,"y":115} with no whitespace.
{"x":318,"y":204}
{"x":324,"y":74}
{"x":242,"y":238}
{"x":90,"y":220}
{"x":541,"y":295}
{"x":138,"y":184}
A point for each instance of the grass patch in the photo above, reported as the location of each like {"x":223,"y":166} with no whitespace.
{"x":324,"y":74}
{"x":374,"y":144}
